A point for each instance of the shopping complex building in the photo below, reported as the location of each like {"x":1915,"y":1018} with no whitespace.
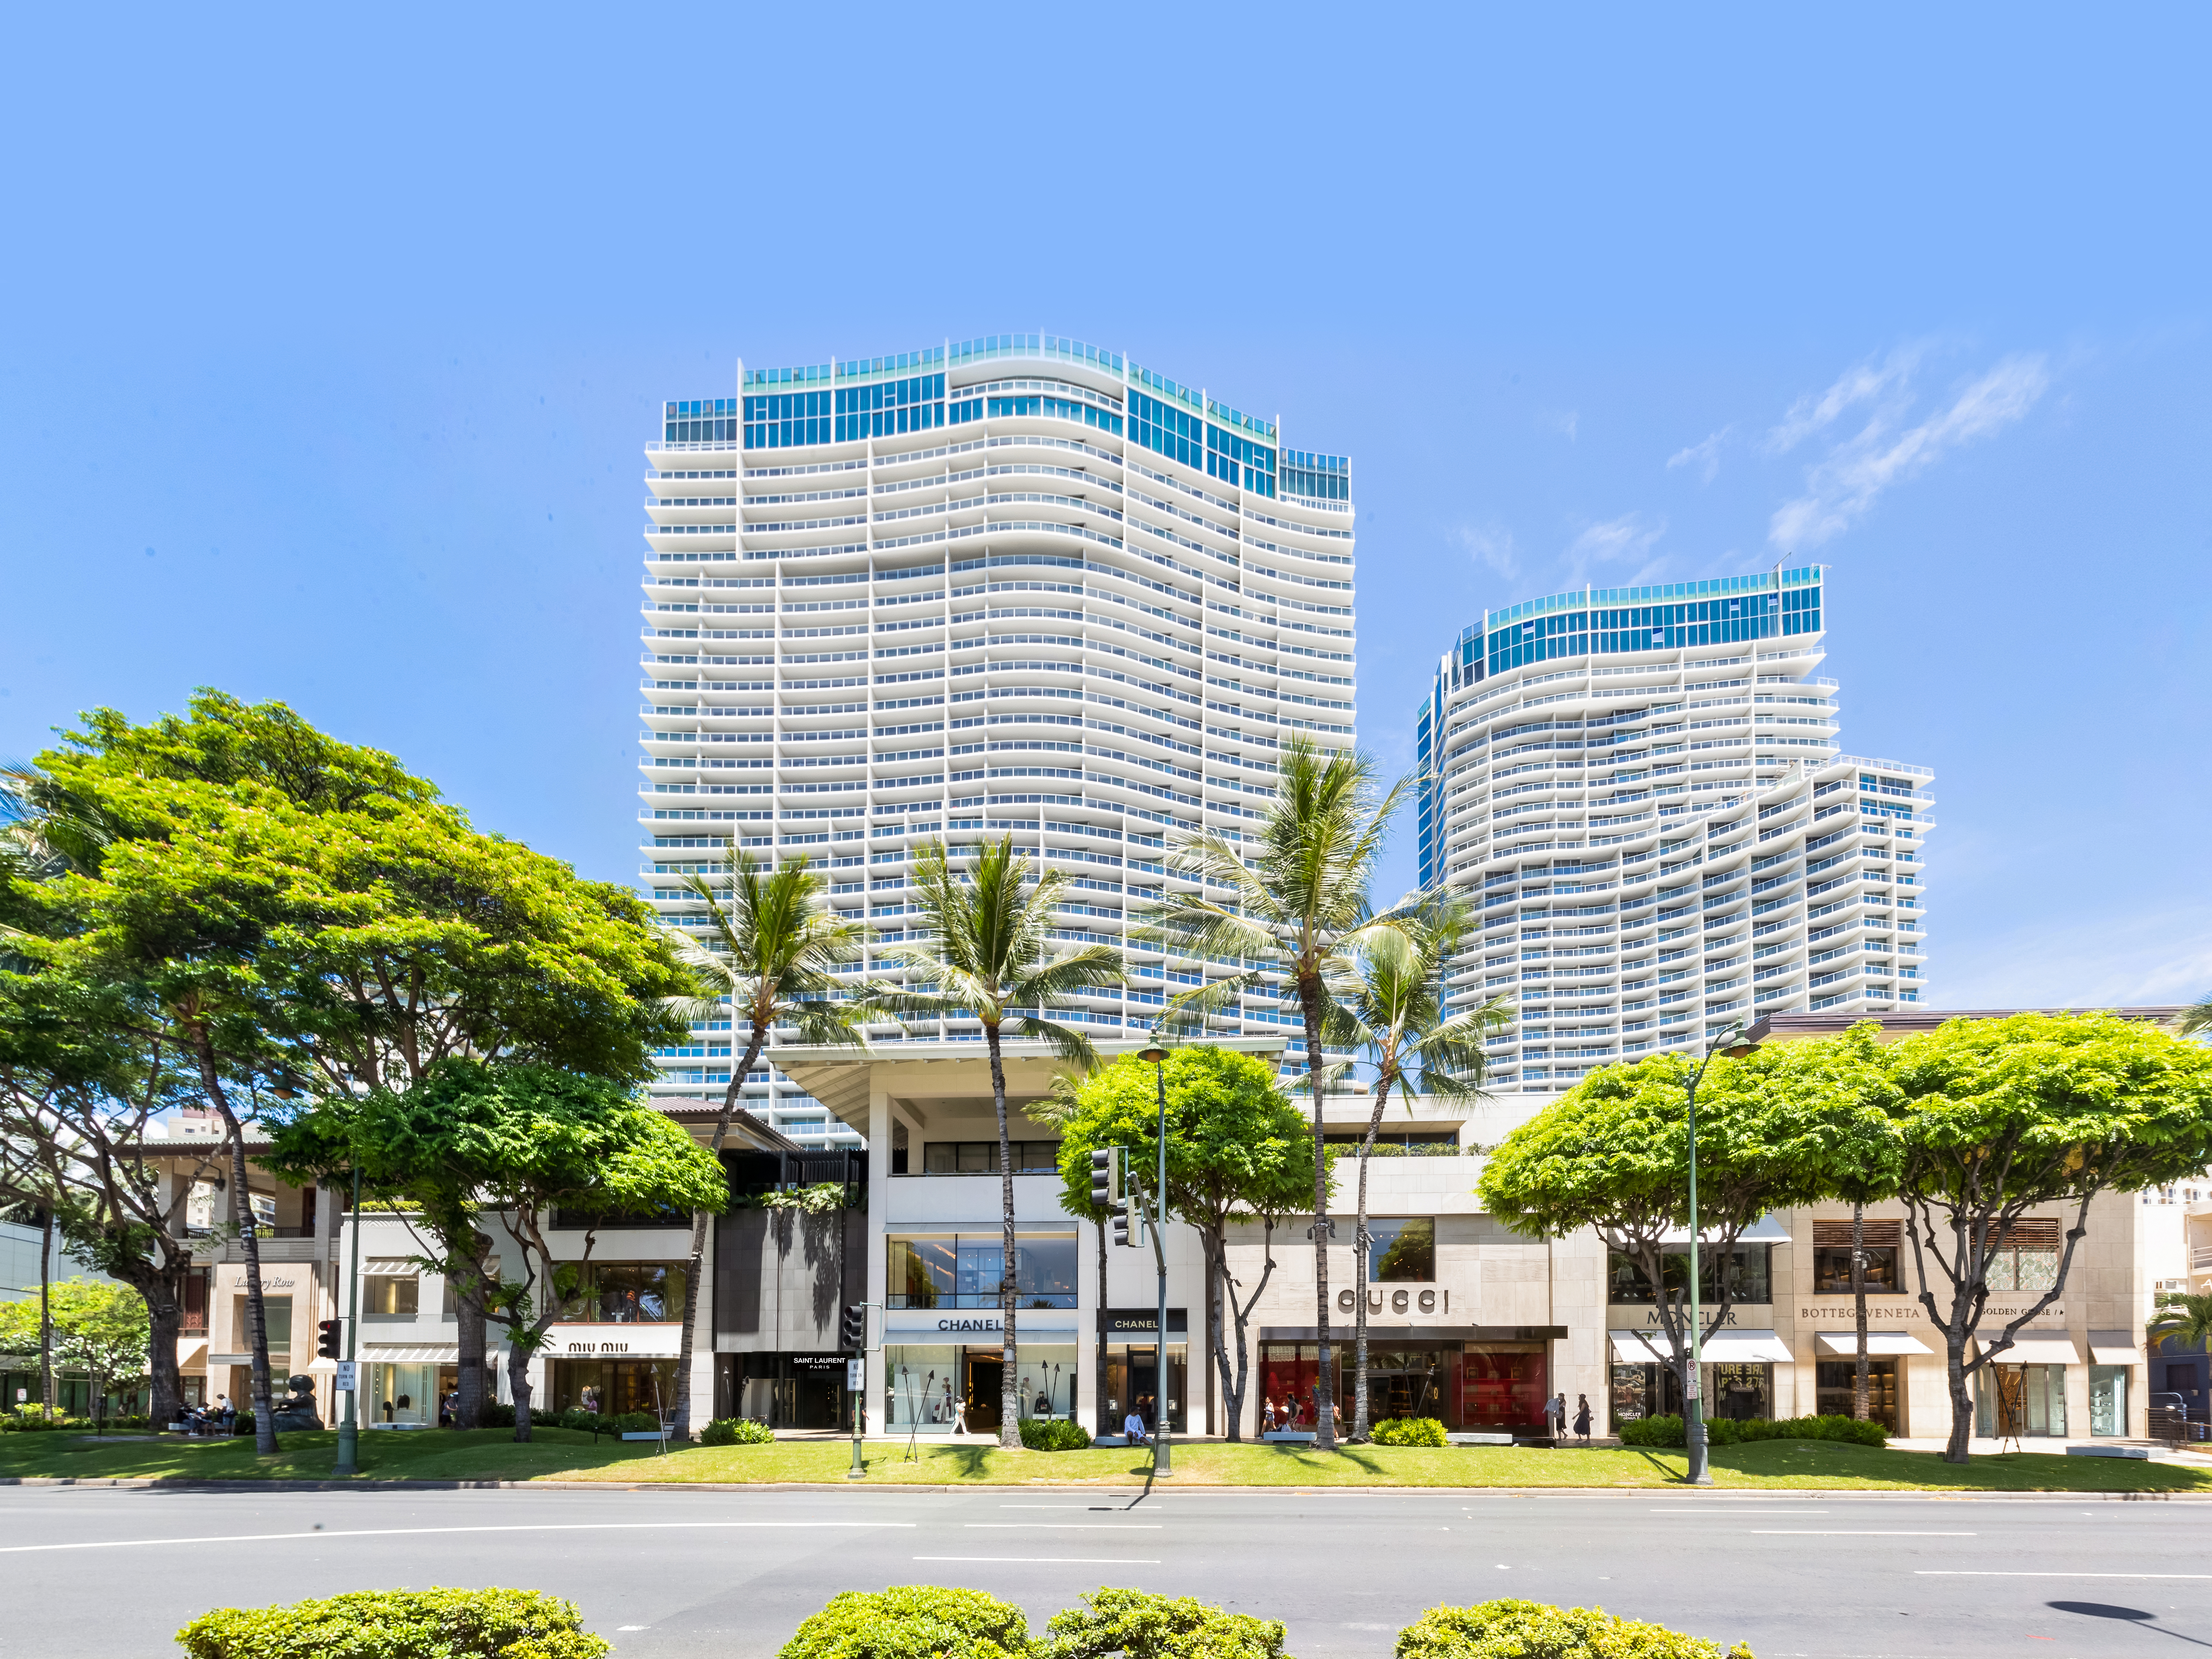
{"x":1011,"y":585}
{"x":1641,"y":794}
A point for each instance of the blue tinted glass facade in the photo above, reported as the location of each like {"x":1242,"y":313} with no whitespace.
{"x":1167,"y":430}
{"x":890,"y":407}
{"x":785,"y":420}
{"x":701,"y":420}
{"x":1063,"y":409}
{"x":1324,"y":477}
{"x":1239,"y":462}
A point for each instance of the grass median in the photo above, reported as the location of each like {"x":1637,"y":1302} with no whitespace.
{"x":559,"y":1454}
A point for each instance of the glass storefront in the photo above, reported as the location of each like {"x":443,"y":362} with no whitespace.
{"x":1133,"y":1380}
{"x":1499,"y":1387}
{"x":612,"y":1387}
{"x":2019,"y":1401}
{"x":403,"y":1395}
{"x":2108,"y":1399}
{"x":624,"y":1293}
{"x":784,"y":1390}
{"x":965,"y":1271}
{"x":1740,"y":1391}
{"x":1835,"y":1382}
{"x":927,"y":1385}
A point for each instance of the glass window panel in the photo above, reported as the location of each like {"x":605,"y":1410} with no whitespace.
{"x":1402,"y":1248}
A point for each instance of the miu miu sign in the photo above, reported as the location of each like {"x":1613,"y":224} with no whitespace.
{"x":1430,"y":1299}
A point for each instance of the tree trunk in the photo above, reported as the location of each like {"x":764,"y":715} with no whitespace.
{"x":1858,"y":1300}
{"x":46,"y":1312}
{"x":241,"y":1215}
{"x":160,"y":1285}
{"x":1215,"y":1241}
{"x":1324,"y":1400}
{"x":1361,"y":1269}
{"x":518,"y":1385}
{"x":470,"y":1330}
{"x":1010,"y":1398}
{"x":699,"y":1220}
{"x":1955,"y":1450}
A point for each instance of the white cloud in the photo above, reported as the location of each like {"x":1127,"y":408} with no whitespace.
{"x":1705,"y":457}
{"x":1842,"y":486}
{"x":1491,"y":545}
{"x":1862,"y":384}
{"x":1616,"y":540}
{"x":1563,"y":422}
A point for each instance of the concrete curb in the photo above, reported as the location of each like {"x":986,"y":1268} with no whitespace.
{"x":152,"y":1483}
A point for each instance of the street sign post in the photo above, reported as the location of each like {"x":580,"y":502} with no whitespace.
{"x":346,"y":1382}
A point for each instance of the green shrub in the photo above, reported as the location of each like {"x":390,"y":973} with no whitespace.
{"x":1511,"y":1629}
{"x":912,"y":1621}
{"x":1053,"y":1434}
{"x":635,"y":1423}
{"x":434,"y":1623}
{"x":1147,"y":1627}
{"x":583,"y":1422}
{"x":1669,"y":1432}
{"x":1408,"y":1432}
{"x":736,"y":1431}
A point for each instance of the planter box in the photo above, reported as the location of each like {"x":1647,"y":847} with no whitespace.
{"x":1479,"y":1439}
{"x":2109,"y":1451}
{"x":641,"y":1434}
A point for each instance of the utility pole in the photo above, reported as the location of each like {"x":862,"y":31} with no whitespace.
{"x":1693,"y":1406}
{"x":1157,"y":1057}
{"x":349,"y":1427}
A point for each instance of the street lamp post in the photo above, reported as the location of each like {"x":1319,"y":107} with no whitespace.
{"x":1731,"y":1041}
{"x":1155,"y":1056}
{"x":349,"y":1428}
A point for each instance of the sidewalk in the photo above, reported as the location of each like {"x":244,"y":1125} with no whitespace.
{"x":2160,"y":1450}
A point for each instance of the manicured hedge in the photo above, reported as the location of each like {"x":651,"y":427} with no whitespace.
{"x":1147,"y":1627}
{"x":1725,"y":1432}
{"x":1053,"y":1434}
{"x":1508,"y":1630}
{"x":432,"y":1624}
{"x":913,"y":1621}
{"x":736,"y":1431}
{"x":1408,"y":1432}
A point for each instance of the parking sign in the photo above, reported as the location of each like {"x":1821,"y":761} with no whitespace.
{"x":345,"y":1377}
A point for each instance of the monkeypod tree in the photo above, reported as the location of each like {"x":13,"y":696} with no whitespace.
{"x":1237,"y":1152}
{"x":2002,"y":1116}
{"x":1614,"y":1154}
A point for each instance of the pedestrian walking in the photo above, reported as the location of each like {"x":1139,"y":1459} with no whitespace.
{"x":1582,"y":1418}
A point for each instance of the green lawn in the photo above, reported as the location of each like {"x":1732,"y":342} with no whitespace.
{"x":492,"y":1454}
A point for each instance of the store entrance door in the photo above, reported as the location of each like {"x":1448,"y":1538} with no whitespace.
{"x":986,"y":1380}
{"x":1144,"y":1386}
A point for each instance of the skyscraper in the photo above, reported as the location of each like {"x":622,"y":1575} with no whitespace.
{"x":1012,"y":585}
{"x":1639,"y":793}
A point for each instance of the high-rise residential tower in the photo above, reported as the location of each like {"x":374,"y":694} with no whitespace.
{"x":1640,"y":795}
{"x":1013,"y":586}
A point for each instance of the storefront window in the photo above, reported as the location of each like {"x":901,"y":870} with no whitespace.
{"x":1833,"y":1387}
{"x":964,"y":1272}
{"x":1832,"y":1270}
{"x":1741,"y":1392}
{"x":2017,"y":1401}
{"x":1746,"y":1271}
{"x":1133,"y":1381}
{"x":2026,"y":1257}
{"x":1489,"y":1385}
{"x":390,"y":1297}
{"x":1504,"y":1388}
{"x":1636,"y":1392}
{"x":613,"y":1387}
{"x":2108,"y":1399}
{"x":920,"y":1381}
{"x":1401,"y":1250}
{"x":624,"y":1293}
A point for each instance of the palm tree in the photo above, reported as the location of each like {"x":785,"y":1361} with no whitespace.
{"x":2184,"y":1319}
{"x":767,"y":959}
{"x":2195,"y":1019}
{"x":989,"y":958}
{"x":1299,"y":911}
{"x":1393,"y":1000}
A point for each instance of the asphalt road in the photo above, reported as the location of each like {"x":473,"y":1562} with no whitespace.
{"x":107,"y":1571}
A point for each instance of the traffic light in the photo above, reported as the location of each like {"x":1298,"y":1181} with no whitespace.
{"x":329,"y":1344}
{"x":853,"y":1327}
{"x":1106,"y":1178}
{"x":1120,"y":1226}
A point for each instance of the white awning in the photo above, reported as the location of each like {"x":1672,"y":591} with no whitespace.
{"x":386,"y":1267}
{"x":2115,"y":1348}
{"x":1639,"y":1347}
{"x":1767,"y":1230}
{"x":1730,"y":1347}
{"x":1879,"y":1343}
{"x":420,"y":1353}
{"x":1745,"y":1348}
{"x":190,"y":1351}
{"x":2036,"y":1348}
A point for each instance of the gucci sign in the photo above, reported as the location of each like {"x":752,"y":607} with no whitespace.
{"x":1427,"y":1299}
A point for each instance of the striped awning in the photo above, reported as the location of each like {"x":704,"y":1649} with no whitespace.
{"x":419,"y":1353}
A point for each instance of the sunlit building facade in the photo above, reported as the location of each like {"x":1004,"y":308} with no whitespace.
{"x":1013,"y":586}
{"x":1641,"y":794}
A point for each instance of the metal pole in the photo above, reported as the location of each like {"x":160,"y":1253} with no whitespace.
{"x":1693,"y":1418}
{"x":1160,"y":1256}
{"x":349,"y":1428}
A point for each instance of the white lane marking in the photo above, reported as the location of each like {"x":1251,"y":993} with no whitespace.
{"x":1847,"y":1532}
{"x":1670,"y":1508}
{"x":1935,"y":1572}
{"x":1056,"y":1560}
{"x":1064,"y":1526}
{"x":394,"y":1532}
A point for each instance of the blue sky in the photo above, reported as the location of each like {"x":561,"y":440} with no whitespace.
{"x":331,"y":346}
